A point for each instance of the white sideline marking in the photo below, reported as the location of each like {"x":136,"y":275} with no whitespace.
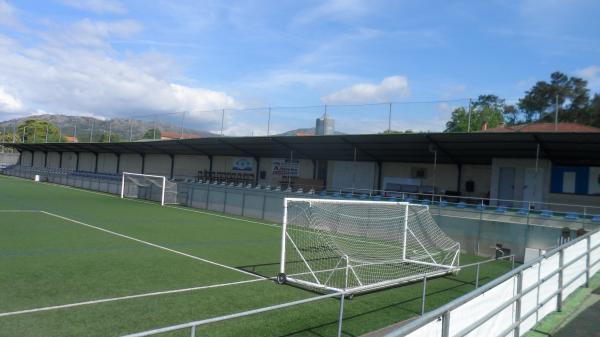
{"x":20,"y":211}
{"x":153,"y":245}
{"x":106,"y":194}
{"x":113,"y":299}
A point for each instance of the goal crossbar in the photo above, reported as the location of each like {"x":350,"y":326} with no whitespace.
{"x":163,"y":180}
{"x":381,"y":243}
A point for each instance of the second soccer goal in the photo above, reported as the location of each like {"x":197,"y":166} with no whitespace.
{"x":148,"y":187}
{"x":355,"y":246}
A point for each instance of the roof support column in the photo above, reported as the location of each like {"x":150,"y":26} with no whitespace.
{"x":257,"y":159}
{"x":45,"y":159}
{"x":143,"y":155}
{"x":60,"y":159}
{"x":96,"y":162}
{"x":77,"y":161}
{"x":459,"y":179}
{"x":314,"y":162}
{"x":379,"y":175}
{"x":118,"y":162}
{"x":172,"y":156}
{"x":32,"y":157}
{"x":210,"y":165}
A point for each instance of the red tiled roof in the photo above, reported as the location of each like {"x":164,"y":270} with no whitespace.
{"x":177,"y":135}
{"x":70,"y":139}
{"x":544,"y":127}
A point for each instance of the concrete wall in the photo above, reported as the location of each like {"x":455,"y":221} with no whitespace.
{"x":131,"y":162}
{"x":107,"y":163}
{"x":520,"y":165}
{"x":305,"y":170}
{"x":187,"y":166}
{"x":87,"y":161}
{"x":53,"y":160}
{"x":69,"y":160}
{"x":159,"y":164}
{"x":446,"y":174}
{"x":26,"y":158}
{"x":348,"y":175}
{"x":7,"y":158}
{"x":586,"y":200}
{"x":39,"y":159}
{"x":481,"y":176}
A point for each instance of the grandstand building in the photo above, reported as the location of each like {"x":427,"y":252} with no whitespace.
{"x":524,"y":164}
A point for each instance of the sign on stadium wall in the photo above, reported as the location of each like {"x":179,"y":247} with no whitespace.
{"x":286,"y":167}
{"x":242,"y":164}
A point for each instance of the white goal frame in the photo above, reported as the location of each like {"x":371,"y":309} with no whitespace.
{"x":163,"y":178}
{"x":442,"y":269}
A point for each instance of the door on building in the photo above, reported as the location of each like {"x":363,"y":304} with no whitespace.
{"x":533,"y":186}
{"x":506,"y":186}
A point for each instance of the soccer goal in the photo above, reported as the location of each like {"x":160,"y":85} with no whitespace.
{"x":355,"y":246}
{"x":149,"y":187}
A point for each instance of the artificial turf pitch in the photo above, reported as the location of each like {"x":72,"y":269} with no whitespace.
{"x":55,"y":259}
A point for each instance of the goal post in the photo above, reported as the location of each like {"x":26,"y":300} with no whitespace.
{"x":354,"y":246}
{"x":147,"y":186}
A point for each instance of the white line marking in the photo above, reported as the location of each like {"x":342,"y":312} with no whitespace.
{"x":20,"y":211}
{"x":153,"y":244}
{"x":110,"y":195}
{"x":113,"y":299}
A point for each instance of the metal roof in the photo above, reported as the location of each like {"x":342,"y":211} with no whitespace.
{"x":456,"y":148}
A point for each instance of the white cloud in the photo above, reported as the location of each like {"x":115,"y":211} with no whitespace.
{"x":9,"y":103}
{"x":590,"y":74}
{"x":390,"y":88}
{"x":8,"y":15}
{"x":336,"y":10}
{"x":98,"y":6}
{"x":79,"y":73}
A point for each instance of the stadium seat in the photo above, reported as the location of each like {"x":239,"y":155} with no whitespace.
{"x":376,"y":197}
{"x":572,"y":216}
{"x":523,"y":211}
{"x":461,"y":204}
{"x":443,"y":203}
{"x":501,"y":209}
{"x":481,"y":207}
{"x":546,"y":213}
{"x":425,"y":202}
{"x":323,"y":193}
{"x":363,"y":196}
{"x":596,"y":218}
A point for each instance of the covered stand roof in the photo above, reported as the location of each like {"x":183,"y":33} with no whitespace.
{"x":582,"y":148}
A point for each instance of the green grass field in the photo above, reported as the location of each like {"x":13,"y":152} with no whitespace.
{"x":54,"y":259}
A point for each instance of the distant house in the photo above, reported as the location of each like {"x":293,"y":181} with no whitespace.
{"x":70,"y":139}
{"x":167,"y":135}
{"x":541,"y":127}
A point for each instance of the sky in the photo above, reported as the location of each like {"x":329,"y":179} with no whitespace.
{"x":109,"y":58}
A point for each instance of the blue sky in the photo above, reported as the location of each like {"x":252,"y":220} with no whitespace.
{"x":117,"y":58}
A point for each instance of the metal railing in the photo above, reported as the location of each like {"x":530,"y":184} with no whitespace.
{"x":444,"y":313}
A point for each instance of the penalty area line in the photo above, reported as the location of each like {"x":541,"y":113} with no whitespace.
{"x":154,"y":245}
{"x":114,"y":299}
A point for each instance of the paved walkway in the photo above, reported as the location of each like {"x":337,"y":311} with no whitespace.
{"x":586,"y":322}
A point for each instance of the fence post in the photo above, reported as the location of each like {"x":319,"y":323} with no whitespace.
{"x":517,"y":332}
{"x":423,"y":296}
{"x":193,"y":332}
{"x":561,"y":258}
{"x":446,"y":324}
{"x":343,"y":295}
{"x":477,"y":276}
{"x":587,"y":261}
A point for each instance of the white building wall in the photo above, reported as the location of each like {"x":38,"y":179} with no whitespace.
{"x":107,"y":163}
{"x":348,"y":175}
{"x":159,"y":164}
{"x":87,"y":161}
{"x":445,"y":180}
{"x":187,"y":166}
{"x":594,"y":182}
{"x":69,"y":161}
{"x":39,"y":159}
{"x":305,"y":171}
{"x":481,"y":175}
{"x":53,"y":160}
{"x":520,"y":166}
{"x":131,"y":162}
{"x":26,"y":158}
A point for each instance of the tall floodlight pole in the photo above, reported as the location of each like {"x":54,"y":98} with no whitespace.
{"x":34,"y":134}
{"x":469,"y":122}
{"x":222,"y":121}
{"x":46,"y":140}
{"x":92,"y":131}
{"x":109,"y":130}
{"x":154,"y":129}
{"x":130,"y":130}
{"x":269,"y":122}
{"x":60,"y":134}
{"x":556,"y":115}
{"x":24,"y":130}
{"x":182,"y":121}
{"x":14,"y":132}
{"x":75,"y":134}
{"x":390,"y":119}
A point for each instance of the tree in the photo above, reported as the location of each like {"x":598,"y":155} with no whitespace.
{"x":114,"y":138}
{"x":37,"y":131}
{"x":540,"y":102}
{"x":488,"y":109}
{"x":151,"y":134}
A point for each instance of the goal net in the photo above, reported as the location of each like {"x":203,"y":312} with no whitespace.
{"x":354,"y":246}
{"x":149,"y":187}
